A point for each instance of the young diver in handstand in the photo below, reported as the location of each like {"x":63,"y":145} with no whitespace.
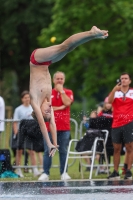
{"x":40,"y":79}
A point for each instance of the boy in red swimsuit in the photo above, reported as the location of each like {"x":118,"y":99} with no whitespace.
{"x":40,"y":79}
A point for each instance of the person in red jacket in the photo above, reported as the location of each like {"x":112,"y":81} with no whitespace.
{"x":121,"y":98}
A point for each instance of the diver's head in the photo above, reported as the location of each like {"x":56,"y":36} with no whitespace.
{"x":46,"y":112}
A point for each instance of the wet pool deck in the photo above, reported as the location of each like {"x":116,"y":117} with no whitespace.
{"x":66,"y":187}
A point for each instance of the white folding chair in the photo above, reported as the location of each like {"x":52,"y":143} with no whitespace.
{"x":87,"y":154}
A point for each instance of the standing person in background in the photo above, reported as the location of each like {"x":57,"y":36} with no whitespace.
{"x":2,"y":115}
{"x":121,"y":98}
{"x":23,"y":112}
{"x":107,"y":111}
{"x":62,"y":99}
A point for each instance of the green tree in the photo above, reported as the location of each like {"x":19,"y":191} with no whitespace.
{"x":92,"y":69}
{"x":21,"y":22}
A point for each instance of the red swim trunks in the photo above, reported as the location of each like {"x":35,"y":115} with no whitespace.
{"x":33,"y":61}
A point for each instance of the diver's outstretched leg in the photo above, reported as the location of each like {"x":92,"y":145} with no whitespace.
{"x":57,"y":52}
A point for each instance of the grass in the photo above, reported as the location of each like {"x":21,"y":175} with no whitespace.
{"x":73,"y":171}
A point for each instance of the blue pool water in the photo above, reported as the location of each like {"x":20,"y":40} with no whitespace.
{"x":72,"y":190}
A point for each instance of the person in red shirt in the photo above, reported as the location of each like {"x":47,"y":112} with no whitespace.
{"x":62,"y":99}
{"x":121,"y":98}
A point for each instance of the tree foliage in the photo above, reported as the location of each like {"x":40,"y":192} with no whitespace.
{"x":92,"y":69}
{"x":21,"y":23}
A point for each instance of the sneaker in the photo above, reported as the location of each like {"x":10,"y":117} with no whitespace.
{"x":65,"y":176}
{"x":128,"y":175}
{"x":37,"y":173}
{"x":19,"y":172}
{"x":43,"y":177}
{"x":30,"y":170}
{"x":114,"y":176}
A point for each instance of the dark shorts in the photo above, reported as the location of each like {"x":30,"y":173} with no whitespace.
{"x":123,"y":134}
